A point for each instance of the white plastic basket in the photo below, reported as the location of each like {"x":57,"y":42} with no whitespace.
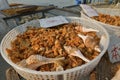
{"x":70,"y":74}
{"x":114,"y":31}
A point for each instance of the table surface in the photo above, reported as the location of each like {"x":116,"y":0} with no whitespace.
{"x":32,"y":10}
{"x":105,"y":70}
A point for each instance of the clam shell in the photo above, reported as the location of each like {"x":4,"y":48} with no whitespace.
{"x":34,"y":66}
{"x":97,"y":48}
{"x":83,"y":37}
{"x":39,"y":58}
{"x":75,"y":52}
{"x":102,"y":42}
{"x":89,"y":40}
{"x":35,"y":61}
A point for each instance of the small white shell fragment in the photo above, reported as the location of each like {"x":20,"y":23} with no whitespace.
{"x":69,"y":49}
{"x":75,"y":52}
{"x":36,"y":65}
{"x":89,"y":42}
{"x":59,"y":68}
{"x":117,"y":6}
{"x":83,"y":37}
{"x":79,"y":28}
{"x":102,"y":41}
{"x":97,"y":48}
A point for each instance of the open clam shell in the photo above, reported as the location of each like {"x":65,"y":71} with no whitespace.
{"x":34,"y":66}
{"x":39,"y":58}
{"x":34,"y":61}
{"x":90,"y":42}
{"x":75,"y":52}
{"x":101,"y":43}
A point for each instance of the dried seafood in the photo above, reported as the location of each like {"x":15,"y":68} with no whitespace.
{"x":49,"y":43}
{"x":112,"y":20}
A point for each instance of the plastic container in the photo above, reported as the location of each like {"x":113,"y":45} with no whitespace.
{"x":114,"y":32}
{"x":69,"y":74}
